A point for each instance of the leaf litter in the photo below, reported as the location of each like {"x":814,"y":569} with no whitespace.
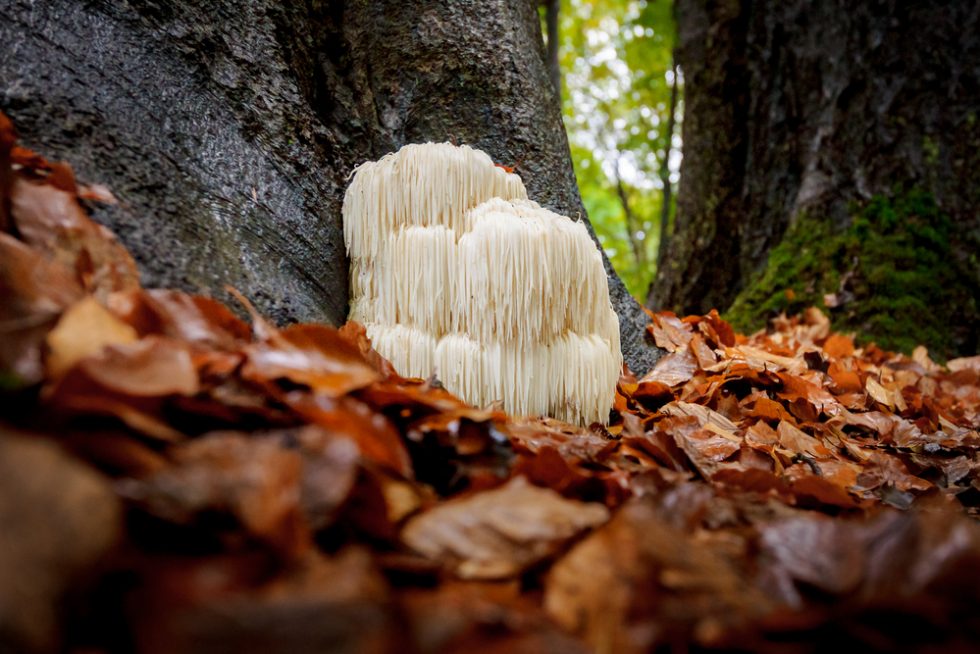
{"x":284,"y":489}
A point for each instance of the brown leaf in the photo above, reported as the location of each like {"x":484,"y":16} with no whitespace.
{"x":376,"y":439}
{"x":33,"y":293}
{"x":255,"y":480}
{"x":83,"y":330}
{"x":669,"y":332}
{"x":638,"y":582}
{"x":150,"y":367}
{"x":846,"y":381}
{"x":964,"y":363}
{"x":7,"y":139}
{"x":674,"y":369}
{"x":498,"y":533}
{"x":652,"y":394}
{"x":185,"y":317}
{"x":799,"y":442}
{"x":892,"y":398}
{"x":707,"y":419}
{"x":706,"y":450}
{"x":839,"y":345}
{"x":52,"y":221}
{"x":318,"y":604}
{"x":356,"y":334}
{"x":311,"y":355}
{"x":59,"y":520}
{"x":796,"y":387}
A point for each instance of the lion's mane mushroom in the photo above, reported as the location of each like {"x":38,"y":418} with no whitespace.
{"x":455,"y":271}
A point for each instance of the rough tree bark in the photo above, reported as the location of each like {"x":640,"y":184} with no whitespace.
{"x":228,"y":129}
{"x":794,"y":108}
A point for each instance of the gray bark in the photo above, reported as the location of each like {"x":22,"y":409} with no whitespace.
{"x":228,"y":129}
{"x":796,"y":107}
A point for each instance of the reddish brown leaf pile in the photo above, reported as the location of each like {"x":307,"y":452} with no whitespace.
{"x":283,"y":489}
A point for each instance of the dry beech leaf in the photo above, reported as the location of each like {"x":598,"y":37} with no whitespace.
{"x":191,"y":318}
{"x":799,"y":442}
{"x":51,"y":220}
{"x":150,"y":367}
{"x":892,"y":398}
{"x":83,"y":330}
{"x":707,"y":418}
{"x":257,"y":481}
{"x":674,"y":369}
{"x":669,"y":332}
{"x":313,"y":355}
{"x":499,"y":533}
{"x":964,"y":363}
{"x":33,"y":292}
{"x":760,"y":360}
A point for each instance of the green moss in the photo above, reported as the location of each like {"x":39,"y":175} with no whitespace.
{"x":10,"y":381}
{"x":891,"y":269}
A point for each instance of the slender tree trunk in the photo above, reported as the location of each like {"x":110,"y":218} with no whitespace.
{"x":552,"y":9}
{"x":798,"y":110}
{"x":668,"y":190}
{"x":632,"y":224}
{"x":228,"y":129}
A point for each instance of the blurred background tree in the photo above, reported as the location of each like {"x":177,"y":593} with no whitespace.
{"x":621,"y":100}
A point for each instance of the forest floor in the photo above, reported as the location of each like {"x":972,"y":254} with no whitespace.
{"x":173,"y":479}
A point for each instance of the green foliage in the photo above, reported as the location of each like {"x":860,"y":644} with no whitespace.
{"x":891,"y":270}
{"x":616,"y":58}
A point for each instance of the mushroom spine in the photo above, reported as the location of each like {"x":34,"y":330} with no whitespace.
{"x":455,"y":272}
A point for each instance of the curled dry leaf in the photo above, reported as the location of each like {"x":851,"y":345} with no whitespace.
{"x":674,"y":369}
{"x":83,"y":330}
{"x":51,"y":220}
{"x":499,"y":533}
{"x":312,"y":355}
{"x":190,"y":318}
{"x":258,"y":482}
{"x":33,"y":293}
{"x":150,"y":367}
{"x":669,"y":332}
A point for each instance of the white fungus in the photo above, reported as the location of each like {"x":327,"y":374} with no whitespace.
{"x":455,"y":272}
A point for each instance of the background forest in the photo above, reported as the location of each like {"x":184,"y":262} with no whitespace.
{"x":622,"y":104}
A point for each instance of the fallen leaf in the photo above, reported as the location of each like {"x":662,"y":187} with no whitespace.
{"x":33,"y":293}
{"x":312,"y":355}
{"x":673,"y":369}
{"x":257,"y":481}
{"x":499,"y":533}
{"x":669,"y":332}
{"x":52,"y":221}
{"x":151,"y":367}
{"x":83,"y":330}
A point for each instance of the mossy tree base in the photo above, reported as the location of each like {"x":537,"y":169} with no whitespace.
{"x":890,"y":276}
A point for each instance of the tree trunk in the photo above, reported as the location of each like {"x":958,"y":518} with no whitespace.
{"x":552,"y":9}
{"x":632,"y":223}
{"x":228,"y":129}
{"x":799,"y":111}
{"x":668,"y":188}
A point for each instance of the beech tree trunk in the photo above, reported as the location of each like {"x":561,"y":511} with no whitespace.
{"x":228,"y":129}
{"x":795,"y":108}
